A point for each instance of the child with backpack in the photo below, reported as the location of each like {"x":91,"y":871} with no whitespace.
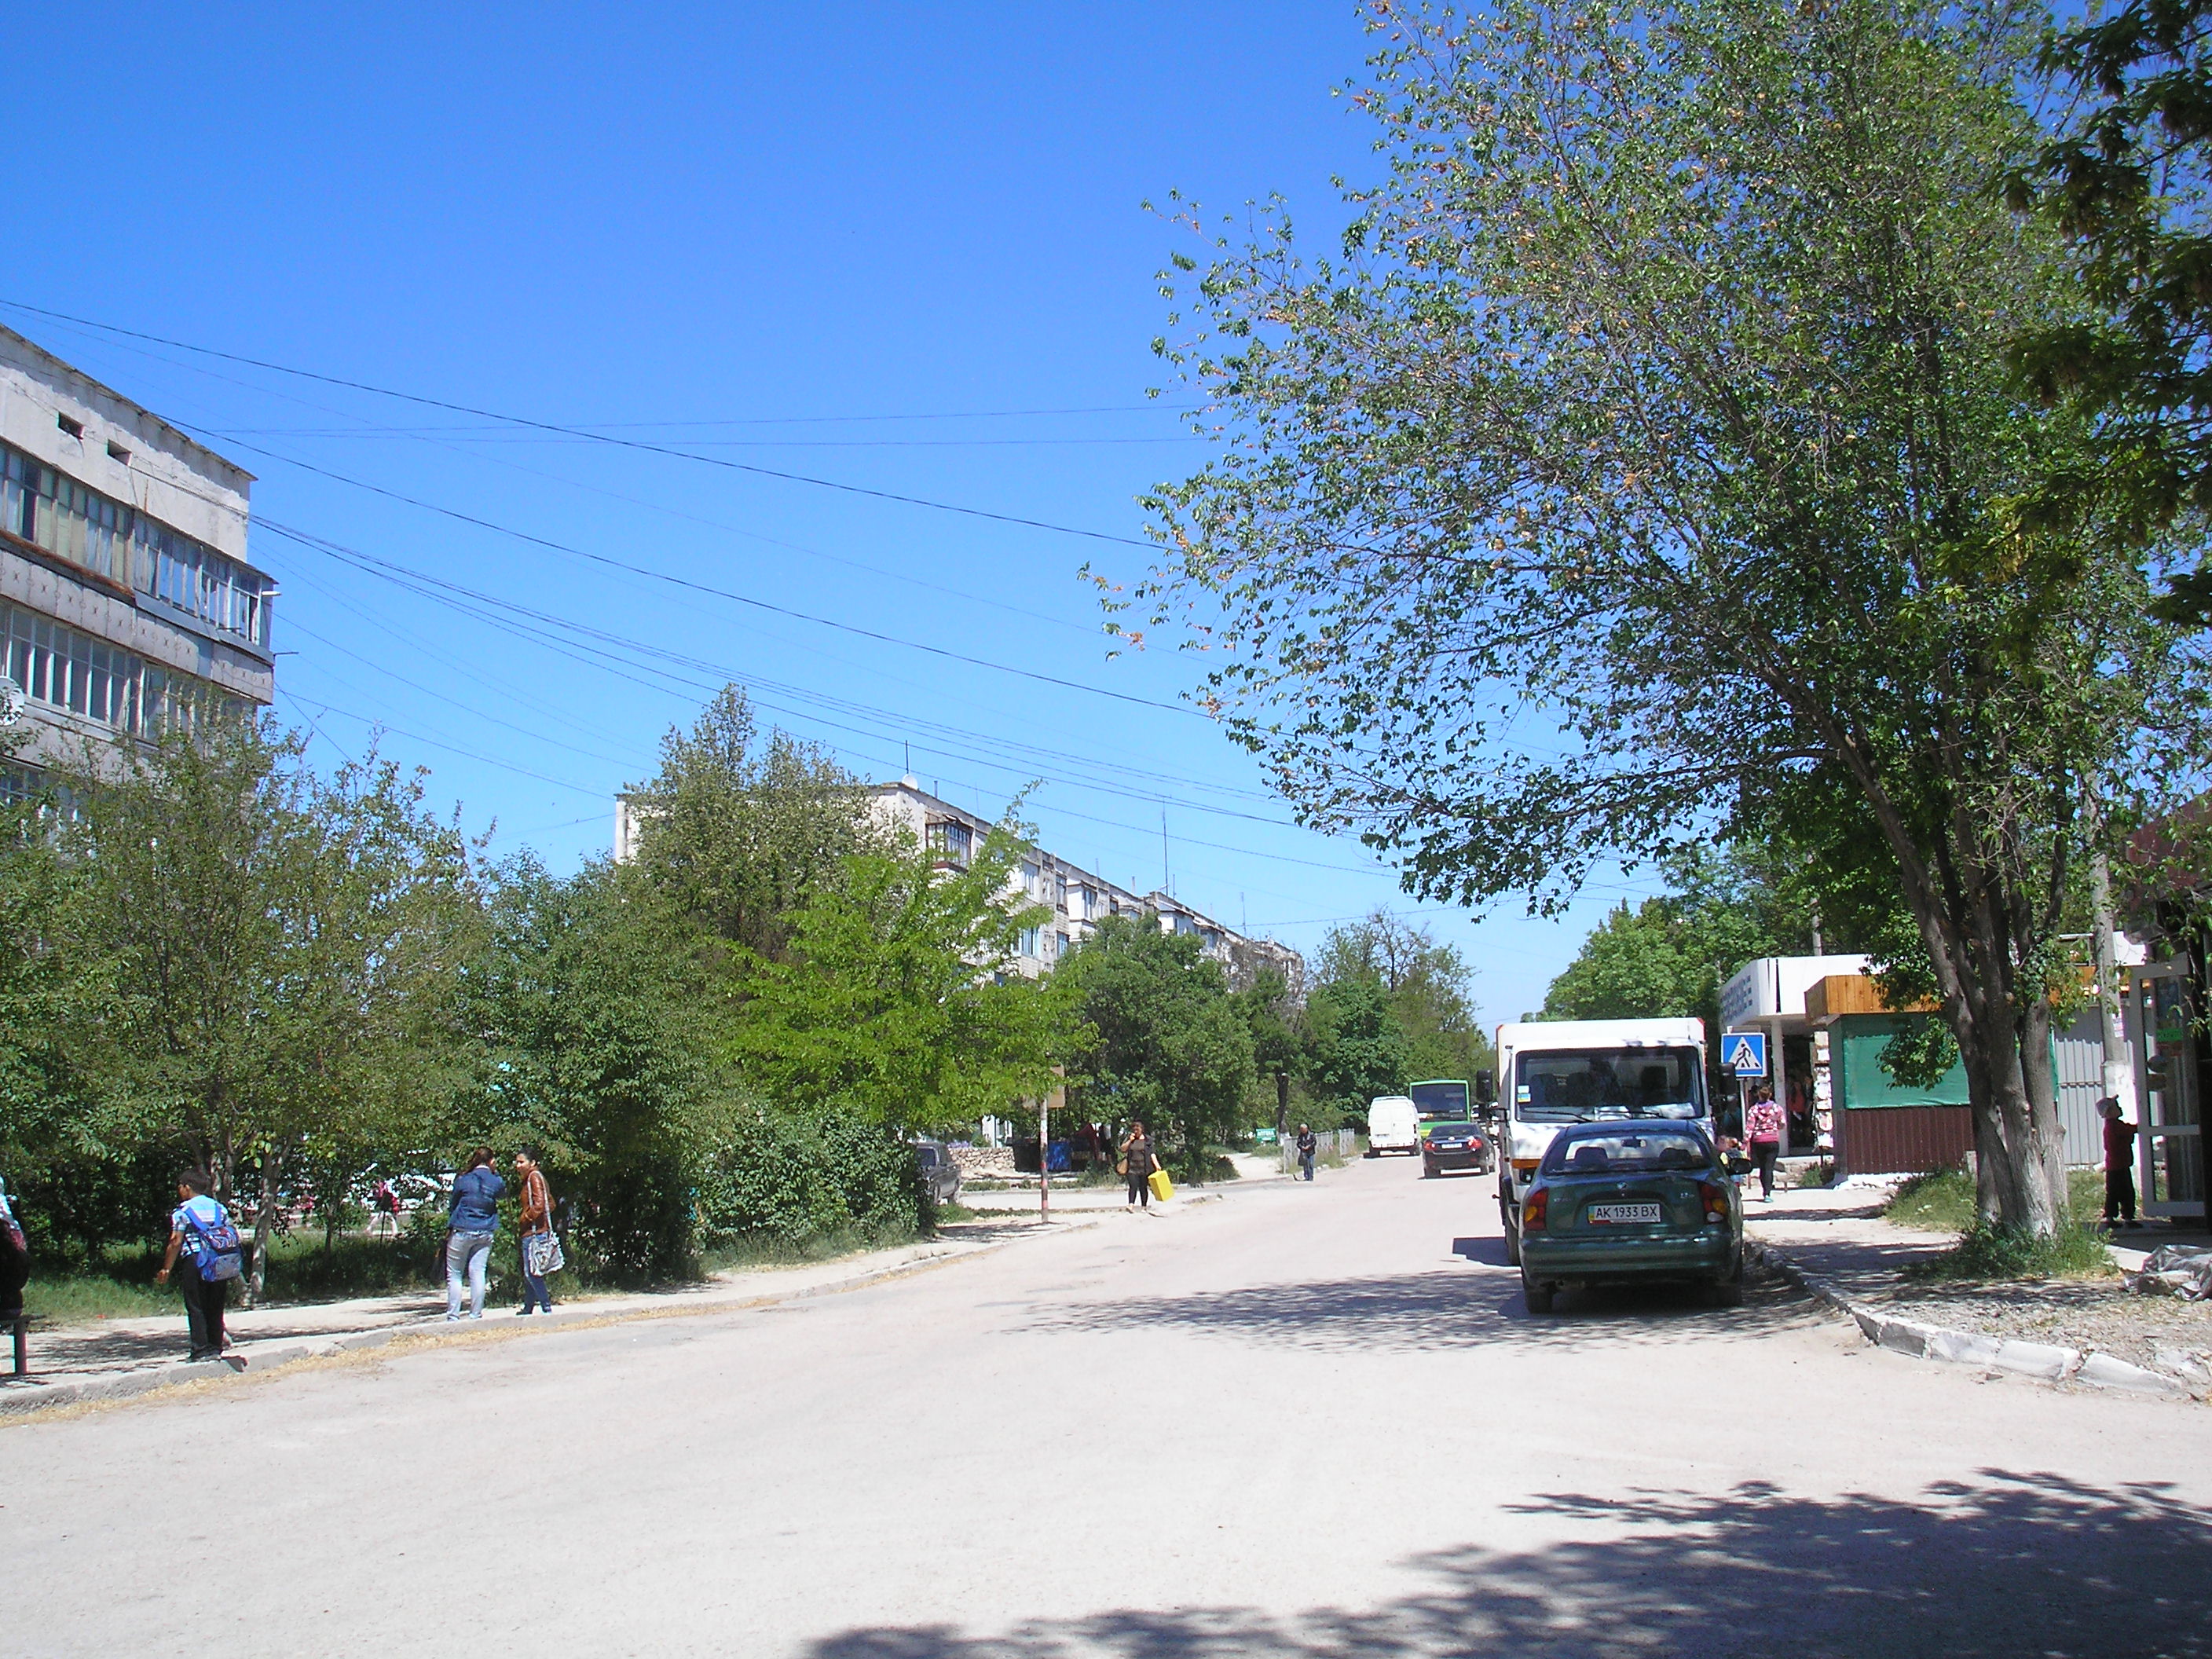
{"x":200,"y":1229}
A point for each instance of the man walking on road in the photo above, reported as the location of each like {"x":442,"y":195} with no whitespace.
{"x":2119,"y":1165}
{"x":1308,"y":1146}
{"x":195,"y":1226}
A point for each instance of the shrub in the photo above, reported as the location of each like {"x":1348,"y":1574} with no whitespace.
{"x":802,"y":1180}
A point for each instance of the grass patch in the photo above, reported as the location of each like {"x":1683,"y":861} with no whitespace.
{"x":1815,"y":1174}
{"x":1942,"y":1200}
{"x":2073,"y":1252}
{"x":87,"y":1298}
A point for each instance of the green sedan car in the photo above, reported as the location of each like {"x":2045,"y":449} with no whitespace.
{"x":1623,"y":1201}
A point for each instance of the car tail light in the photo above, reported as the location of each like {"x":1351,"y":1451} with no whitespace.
{"x":1715,"y":1197}
{"x":1428,"y":1146}
{"x":1532,"y":1210}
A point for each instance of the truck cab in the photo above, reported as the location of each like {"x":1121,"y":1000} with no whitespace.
{"x":1551,"y":1073}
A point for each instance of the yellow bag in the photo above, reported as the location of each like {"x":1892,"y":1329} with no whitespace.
{"x":1163,"y":1189}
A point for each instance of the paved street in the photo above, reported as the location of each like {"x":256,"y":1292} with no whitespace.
{"x":1303,"y":1420}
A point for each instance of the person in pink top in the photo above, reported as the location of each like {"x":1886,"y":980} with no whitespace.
{"x":1763,"y":1127}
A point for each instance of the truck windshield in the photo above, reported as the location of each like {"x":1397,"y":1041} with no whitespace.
{"x":1580,"y":1086}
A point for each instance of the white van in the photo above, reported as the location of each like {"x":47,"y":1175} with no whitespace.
{"x":1393,"y":1124}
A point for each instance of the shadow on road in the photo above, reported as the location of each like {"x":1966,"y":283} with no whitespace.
{"x":2003,"y":1566}
{"x":1449,"y":1309}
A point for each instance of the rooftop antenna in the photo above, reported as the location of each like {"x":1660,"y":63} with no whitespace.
{"x":909,"y":760}
{"x":1167,"y":881}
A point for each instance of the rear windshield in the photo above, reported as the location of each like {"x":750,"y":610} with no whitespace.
{"x":1632,"y":1151}
{"x":1582,"y":1085}
{"x":1448,"y":1129}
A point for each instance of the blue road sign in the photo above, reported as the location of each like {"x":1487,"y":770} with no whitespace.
{"x":1744,"y":1053}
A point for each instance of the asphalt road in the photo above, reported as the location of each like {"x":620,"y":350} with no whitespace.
{"x":1308,"y":1420}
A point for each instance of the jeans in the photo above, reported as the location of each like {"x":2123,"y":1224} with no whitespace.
{"x":1305,"y":1165}
{"x":2120,"y":1194}
{"x":1763,"y":1153}
{"x":203,"y":1305}
{"x":534,"y":1293}
{"x":469,"y":1253}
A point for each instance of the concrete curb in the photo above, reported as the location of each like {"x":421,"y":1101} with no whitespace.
{"x":2042,"y":1361}
{"x":26,"y":1398}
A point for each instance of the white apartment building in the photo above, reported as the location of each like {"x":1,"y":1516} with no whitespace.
{"x":1078,"y":899}
{"x":127,"y":603}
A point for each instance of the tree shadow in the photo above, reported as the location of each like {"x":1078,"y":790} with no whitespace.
{"x":1450,"y":1310}
{"x":2001,"y":1565}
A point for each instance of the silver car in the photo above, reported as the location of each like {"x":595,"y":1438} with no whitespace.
{"x":940,"y":1175}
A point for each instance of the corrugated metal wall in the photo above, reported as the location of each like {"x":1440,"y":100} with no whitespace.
{"x":2081,"y":1087}
{"x":1902,"y":1139}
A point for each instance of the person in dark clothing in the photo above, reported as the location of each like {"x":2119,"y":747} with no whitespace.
{"x":195,"y":1216}
{"x":470,"y":1230}
{"x":1308,"y":1146}
{"x":2119,"y":1165}
{"x":1137,"y":1162}
{"x":1763,"y":1129}
{"x":15,"y":1261}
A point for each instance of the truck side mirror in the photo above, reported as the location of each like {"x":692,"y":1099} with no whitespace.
{"x":1485,"y":1089}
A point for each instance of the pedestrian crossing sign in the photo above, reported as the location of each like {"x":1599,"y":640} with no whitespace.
{"x":1744,"y":1053}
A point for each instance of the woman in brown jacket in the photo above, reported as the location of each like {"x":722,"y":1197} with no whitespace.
{"x":536,"y":1220}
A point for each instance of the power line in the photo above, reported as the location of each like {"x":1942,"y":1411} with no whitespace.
{"x":578,"y":432}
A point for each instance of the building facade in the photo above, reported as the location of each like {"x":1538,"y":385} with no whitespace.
{"x":127,"y":602}
{"x":1078,"y":899}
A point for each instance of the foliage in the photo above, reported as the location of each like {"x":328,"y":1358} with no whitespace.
{"x":2128,"y":181}
{"x":1279,"y":1045}
{"x":283,"y":949}
{"x":1161,"y":1038}
{"x":1428,"y":985}
{"x":1357,"y":1049}
{"x":899,"y":997}
{"x":807,"y":1180}
{"x":1660,"y":398}
{"x":1984,"y":1252}
{"x":739,"y":834}
{"x":597,"y":1045}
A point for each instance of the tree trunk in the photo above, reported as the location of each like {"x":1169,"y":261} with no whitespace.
{"x":1282,"y":1105}
{"x":272,"y":1167}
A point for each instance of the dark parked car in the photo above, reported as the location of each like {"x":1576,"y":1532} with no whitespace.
{"x":940,"y":1176}
{"x":1452,"y":1146}
{"x":1621,"y":1201}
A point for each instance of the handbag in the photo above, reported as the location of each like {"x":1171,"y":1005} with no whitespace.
{"x":541,"y":1253}
{"x":1163,"y":1189}
{"x":1121,"y":1166}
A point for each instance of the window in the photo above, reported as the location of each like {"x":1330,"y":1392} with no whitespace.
{"x":1575,"y":1085}
{"x":74,"y":429}
{"x":1030,"y":876}
{"x":116,"y":452}
{"x":1060,"y":945}
{"x":1060,"y":889}
{"x":1030,"y":941}
{"x":57,"y":666}
{"x":951,"y":842}
{"x":54,"y":512}
{"x":1090,"y":902}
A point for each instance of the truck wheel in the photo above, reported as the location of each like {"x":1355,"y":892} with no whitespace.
{"x":1512,"y":1234}
{"x":1538,"y":1296}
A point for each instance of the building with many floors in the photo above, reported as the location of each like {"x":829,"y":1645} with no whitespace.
{"x":127,"y":603}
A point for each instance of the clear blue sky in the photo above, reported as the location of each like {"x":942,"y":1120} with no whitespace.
{"x":896,"y":246}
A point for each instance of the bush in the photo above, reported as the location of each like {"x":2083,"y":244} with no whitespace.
{"x":2072,"y":1252}
{"x":801,"y":1182}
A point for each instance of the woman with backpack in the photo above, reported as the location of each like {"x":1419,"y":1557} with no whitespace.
{"x":201,"y":1230}
{"x":468,"y":1231}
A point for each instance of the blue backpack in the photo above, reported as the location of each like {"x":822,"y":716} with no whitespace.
{"x":217,"y":1250}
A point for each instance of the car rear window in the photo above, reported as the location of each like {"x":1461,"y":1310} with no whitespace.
{"x":1630,"y":1151}
{"x":1437,"y":1129}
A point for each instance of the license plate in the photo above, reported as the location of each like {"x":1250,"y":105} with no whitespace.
{"x":1619,"y":1215}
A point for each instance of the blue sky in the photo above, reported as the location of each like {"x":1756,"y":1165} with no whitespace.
{"x":897,"y":247}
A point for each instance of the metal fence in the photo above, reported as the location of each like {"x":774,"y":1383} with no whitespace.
{"x":2081,"y":1087}
{"x":1343,"y":1143}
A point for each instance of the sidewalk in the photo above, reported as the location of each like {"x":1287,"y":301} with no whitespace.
{"x":122,"y":1357}
{"x":2074,"y":1329}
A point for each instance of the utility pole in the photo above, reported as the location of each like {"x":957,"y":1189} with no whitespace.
{"x":1045,"y":1157}
{"x":2118,"y":1073}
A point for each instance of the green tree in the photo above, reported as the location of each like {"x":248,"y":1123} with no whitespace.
{"x":2128,"y":179}
{"x":1660,"y":396}
{"x":739,"y":833}
{"x":1163,"y":1040}
{"x":1429,"y":985}
{"x":899,"y":995}
{"x":1356,"y":1048}
{"x":1279,"y":1043}
{"x":600,"y":1042}
{"x":285,"y":949}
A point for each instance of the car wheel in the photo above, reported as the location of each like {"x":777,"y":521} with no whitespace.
{"x":1727,"y":1292}
{"x":1538,"y":1296}
{"x":1428,"y":1172}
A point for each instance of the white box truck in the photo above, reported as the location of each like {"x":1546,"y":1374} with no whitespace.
{"x":1554,"y":1072}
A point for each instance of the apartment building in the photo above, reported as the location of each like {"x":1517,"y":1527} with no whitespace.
{"x":1078,"y":899}
{"x":127,"y":603}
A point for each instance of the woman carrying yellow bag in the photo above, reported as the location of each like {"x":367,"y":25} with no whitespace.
{"x":1141,"y":1167}
{"x":1163,"y":1189}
